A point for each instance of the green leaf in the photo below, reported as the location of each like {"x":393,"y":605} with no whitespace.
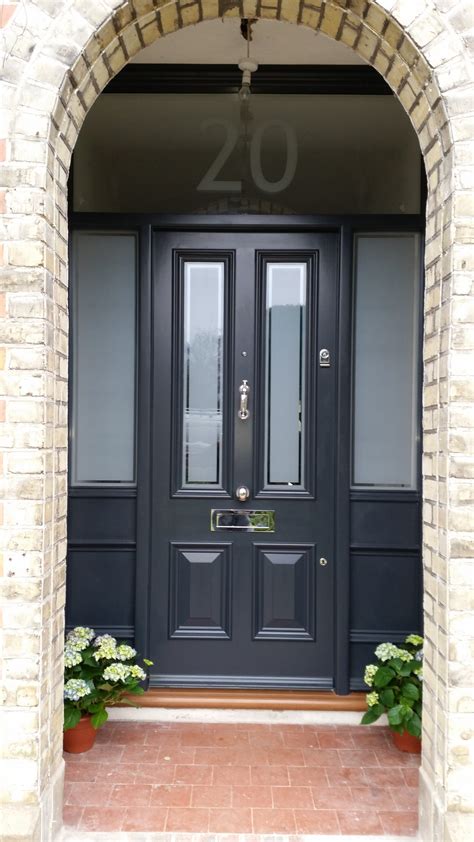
{"x":407,"y":703}
{"x":383,"y":676}
{"x":136,"y":689}
{"x":395,"y":715}
{"x":410,"y":690}
{"x":387,"y":697}
{"x":99,"y":718}
{"x":88,"y":660}
{"x":413,"y":727}
{"x":71,"y":717}
{"x":369,"y":717}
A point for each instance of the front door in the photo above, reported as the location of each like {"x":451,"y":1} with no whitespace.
{"x":243,"y":459}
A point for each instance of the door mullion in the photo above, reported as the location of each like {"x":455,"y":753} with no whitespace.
{"x":244,"y":368}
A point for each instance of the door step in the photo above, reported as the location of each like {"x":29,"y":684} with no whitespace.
{"x":279,"y":700}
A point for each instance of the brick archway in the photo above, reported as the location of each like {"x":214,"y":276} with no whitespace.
{"x":58,"y":57}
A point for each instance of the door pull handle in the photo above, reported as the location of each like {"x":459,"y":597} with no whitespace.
{"x":244,"y":390}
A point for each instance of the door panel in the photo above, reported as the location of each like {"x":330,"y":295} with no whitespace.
{"x":283,"y":592}
{"x":241,"y":606}
{"x":200,"y":591}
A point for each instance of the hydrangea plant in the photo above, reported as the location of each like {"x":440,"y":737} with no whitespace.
{"x":98,"y":672}
{"x":396,"y":682}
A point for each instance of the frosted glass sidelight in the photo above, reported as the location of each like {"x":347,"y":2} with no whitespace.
{"x":285,"y":365}
{"x":203,"y":336}
{"x":385,"y":388}
{"x":104,"y":358}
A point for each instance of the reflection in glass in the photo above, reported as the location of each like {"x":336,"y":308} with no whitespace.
{"x":285,"y":365}
{"x":385,"y":360}
{"x":202,"y":375}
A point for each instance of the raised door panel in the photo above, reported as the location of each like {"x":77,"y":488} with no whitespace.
{"x":200,"y":591}
{"x":284,"y":592}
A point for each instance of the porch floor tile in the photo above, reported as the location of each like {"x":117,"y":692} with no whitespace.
{"x":240,"y":779}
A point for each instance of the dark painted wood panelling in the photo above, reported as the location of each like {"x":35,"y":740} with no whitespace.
{"x":95,"y":518}
{"x":385,"y":574}
{"x":272,"y":682}
{"x":385,"y":591}
{"x":284,"y":593}
{"x":379,"y":521}
{"x":101,"y":587}
{"x":200,"y":591}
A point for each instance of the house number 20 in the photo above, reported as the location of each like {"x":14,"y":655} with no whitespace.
{"x":211,"y":182}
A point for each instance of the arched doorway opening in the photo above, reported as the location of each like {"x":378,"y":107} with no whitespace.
{"x":267,"y":196}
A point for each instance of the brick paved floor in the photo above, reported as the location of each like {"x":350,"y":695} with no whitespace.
{"x":222,"y":778}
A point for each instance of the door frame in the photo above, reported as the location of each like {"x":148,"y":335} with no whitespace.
{"x":346,"y":226}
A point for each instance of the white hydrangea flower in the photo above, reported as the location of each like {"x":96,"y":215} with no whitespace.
{"x":372,"y":699}
{"x":125,"y":653}
{"x":137,"y":672}
{"x":103,"y":639}
{"x":76,"y":688}
{"x":83,"y":632}
{"x":107,"y":650}
{"x":80,"y":637}
{"x":414,"y":639}
{"x":404,"y":655}
{"x":117,"y":672}
{"x":370,"y":671}
{"x":386,"y":651}
{"x":72,"y":657}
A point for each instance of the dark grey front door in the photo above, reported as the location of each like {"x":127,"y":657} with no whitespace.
{"x":243,"y":398}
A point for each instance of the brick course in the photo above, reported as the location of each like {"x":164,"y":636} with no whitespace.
{"x":56,"y":58}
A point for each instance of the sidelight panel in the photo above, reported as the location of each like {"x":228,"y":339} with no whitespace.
{"x":284,"y":374}
{"x":104,"y":358}
{"x":385,"y":376}
{"x":203,"y":360}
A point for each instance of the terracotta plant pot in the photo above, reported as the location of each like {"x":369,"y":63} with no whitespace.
{"x":406,"y":742}
{"x":81,"y":737}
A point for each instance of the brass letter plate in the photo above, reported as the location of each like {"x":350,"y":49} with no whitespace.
{"x":243,"y":520}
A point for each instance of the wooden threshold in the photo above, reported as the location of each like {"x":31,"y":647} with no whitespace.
{"x":250,"y":699}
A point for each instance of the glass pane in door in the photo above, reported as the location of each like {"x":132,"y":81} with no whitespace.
{"x":203,"y":334}
{"x":284,"y":374}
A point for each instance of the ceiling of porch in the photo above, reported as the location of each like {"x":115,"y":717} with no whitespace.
{"x":220,"y":42}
